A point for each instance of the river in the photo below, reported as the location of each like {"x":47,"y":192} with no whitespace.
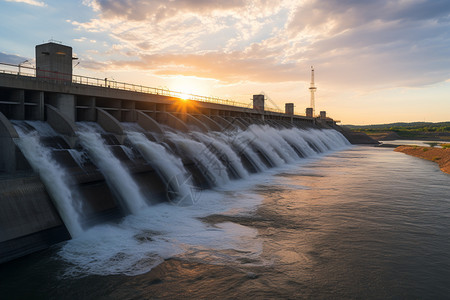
{"x":363,"y":222}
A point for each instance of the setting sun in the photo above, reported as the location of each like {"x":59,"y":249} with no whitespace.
{"x":187,"y":87}
{"x":184,"y":96}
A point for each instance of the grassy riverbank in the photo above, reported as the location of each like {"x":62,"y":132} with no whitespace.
{"x":409,"y":131}
{"x":441,"y":156}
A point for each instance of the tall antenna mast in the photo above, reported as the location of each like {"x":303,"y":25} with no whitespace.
{"x":312,"y":89}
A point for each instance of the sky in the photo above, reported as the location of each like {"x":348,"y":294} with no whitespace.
{"x":377,"y":61}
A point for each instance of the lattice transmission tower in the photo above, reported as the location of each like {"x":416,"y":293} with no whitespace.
{"x":312,"y":89}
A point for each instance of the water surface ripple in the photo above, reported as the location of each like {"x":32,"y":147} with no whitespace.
{"x":364,"y":223}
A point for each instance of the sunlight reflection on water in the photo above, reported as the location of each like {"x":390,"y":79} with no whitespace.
{"x":361,"y":223}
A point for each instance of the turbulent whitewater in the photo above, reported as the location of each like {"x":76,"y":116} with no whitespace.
{"x":230,"y":162}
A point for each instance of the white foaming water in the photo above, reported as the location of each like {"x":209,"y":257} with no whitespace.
{"x":214,"y":169}
{"x":115,"y":173}
{"x":335,"y":139}
{"x":241,"y":142}
{"x":52,"y":175}
{"x":272,"y":137}
{"x":252,"y":137}
{"x":142,"y":241}
{"x":311,"y":137}
{"x":216,"y":141}
{"x":169,"y":166}
{"x":294,"y":137}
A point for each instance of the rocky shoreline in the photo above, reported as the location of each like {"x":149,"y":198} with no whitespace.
{"x":437,"y":155}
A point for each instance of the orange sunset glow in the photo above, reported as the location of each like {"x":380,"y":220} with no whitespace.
{"x":382,"y":57}
{"x":375,"y":61}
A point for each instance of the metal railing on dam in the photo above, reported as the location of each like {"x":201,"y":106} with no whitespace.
{"x":26,"y":71}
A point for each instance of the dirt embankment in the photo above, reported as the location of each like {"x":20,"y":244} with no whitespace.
{"x":438,"y":155}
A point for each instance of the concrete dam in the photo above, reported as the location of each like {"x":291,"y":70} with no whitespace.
{"x":78,"y":151}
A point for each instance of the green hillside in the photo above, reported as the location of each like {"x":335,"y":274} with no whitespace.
{"x":414,"y":130}
{"x":414,"y":126}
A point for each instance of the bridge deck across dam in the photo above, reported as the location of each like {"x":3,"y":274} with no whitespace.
{"x":25,"y":93}
{"x":35,"y":79}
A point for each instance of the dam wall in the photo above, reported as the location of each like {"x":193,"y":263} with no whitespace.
{"x":57,"y":181}
{"x":29,"y":221}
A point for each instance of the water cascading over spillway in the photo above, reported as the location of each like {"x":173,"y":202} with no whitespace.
{"x":170,"y":167}
{"x":216,"y":173}
{"x":224,"y":151}
{"x":217,"y":155}
{"x":315,"y":139}
{"x":52,"y":174}
{"x":141,"y":241}
{"x":242,"y":143}
{"x":271,"y":136}
{"x":281,"y":146}
{"x":333,"y":139}
{"x":214,"y":153}
{"x":267,"y":147}
{"x":115,"y":173}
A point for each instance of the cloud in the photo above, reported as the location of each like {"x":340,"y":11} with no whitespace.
{"x":375,"y":44}
{"x":30,"y":2}
{"x":328,"y":17}
{"x":357,"y":44}
{"x":84,"y":39}
{"x":228,"y":67}
{"x":159,"y":10}
{"x":12,"y":58}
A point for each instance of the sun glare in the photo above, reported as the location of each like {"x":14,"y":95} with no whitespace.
{"x":189,"y":86}
{"x":185,"y":97}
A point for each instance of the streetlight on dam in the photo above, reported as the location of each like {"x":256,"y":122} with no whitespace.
{"x":20,"y":65}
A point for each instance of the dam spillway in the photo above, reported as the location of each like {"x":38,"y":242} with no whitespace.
{"x":74,"y":155}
